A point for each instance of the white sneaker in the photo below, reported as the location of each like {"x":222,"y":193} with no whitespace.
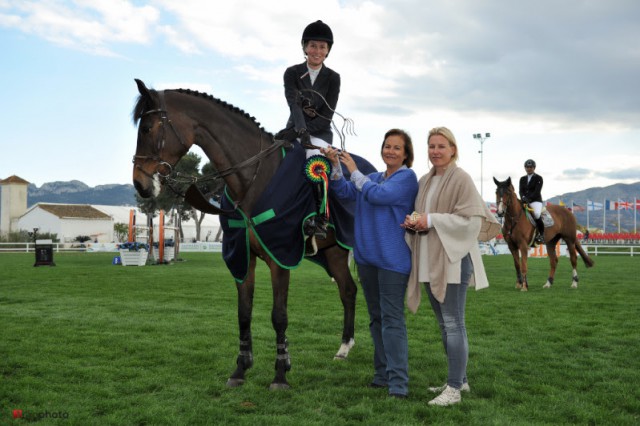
{"x":449,"y":396}
{"x":438,"y":389}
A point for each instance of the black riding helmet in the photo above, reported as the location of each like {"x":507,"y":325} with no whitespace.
{"x":530,"y":163}
{"x":317,"y":31}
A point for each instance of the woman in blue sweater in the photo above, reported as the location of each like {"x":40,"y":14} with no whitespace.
{"x":380,"y":251}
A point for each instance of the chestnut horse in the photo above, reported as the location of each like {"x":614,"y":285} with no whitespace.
{"x":246,"y":156}
{"x":519,"y":233}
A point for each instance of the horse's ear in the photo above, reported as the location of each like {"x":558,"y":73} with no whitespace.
{"x":143,"y":89}
{"x":508,"y":181}
{"x":496,"y":181}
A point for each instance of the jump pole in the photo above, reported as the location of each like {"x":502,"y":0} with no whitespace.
{"x":161,"y":237}
{"x":132,"y":225}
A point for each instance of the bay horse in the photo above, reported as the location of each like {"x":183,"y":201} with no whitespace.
{"x":246,"y":156}
{"x":519,"y":233}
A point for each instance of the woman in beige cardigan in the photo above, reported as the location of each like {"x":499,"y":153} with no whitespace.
{"x":443,"y":232}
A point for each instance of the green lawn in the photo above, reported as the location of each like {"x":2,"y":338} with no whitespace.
{"x":90,"y":343}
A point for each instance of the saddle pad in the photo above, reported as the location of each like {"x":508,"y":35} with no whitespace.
{"x":278,"y":216}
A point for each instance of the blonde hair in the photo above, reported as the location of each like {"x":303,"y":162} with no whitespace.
{"x":448,"y":135}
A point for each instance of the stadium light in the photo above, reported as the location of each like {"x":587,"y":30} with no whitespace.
{"x":481,"y":139}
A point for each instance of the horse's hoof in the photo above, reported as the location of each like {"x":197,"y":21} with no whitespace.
{"x":278,"y":386}
{"x":574,"y":285}
{"x":343,"y":352}
{"x":524,"y":289}
{"x":234,"y":383}
{"x":547,"y":285}
{"x":518,"y":286}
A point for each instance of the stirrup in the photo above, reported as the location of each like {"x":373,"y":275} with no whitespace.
{"x":309,"y":227}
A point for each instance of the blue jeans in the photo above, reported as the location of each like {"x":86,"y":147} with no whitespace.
{"x":384,"y":292}
{"x":450,"y":316}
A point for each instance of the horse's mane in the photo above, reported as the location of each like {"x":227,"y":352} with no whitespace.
{"x":141,"y":106}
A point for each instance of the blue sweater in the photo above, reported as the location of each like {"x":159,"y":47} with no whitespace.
{"x":380,"y":209}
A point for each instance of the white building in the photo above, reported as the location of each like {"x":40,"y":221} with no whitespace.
{"x":13,"y":203}
{"x":69,"y":221}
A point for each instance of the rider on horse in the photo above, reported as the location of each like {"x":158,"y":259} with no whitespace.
{"x":312,"y":91}
{"x":530,"y":187}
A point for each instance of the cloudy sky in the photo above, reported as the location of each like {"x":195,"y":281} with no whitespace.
{"x":556,"y":81}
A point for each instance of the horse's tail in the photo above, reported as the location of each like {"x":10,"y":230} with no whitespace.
{"x":585,"y":257}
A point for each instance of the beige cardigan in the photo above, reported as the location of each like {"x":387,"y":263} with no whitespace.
{"x":455,"y":198}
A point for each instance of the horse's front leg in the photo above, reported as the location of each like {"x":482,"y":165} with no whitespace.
{"x":524,"y":251}
{"x":279,"y":319}
{"x":516,"y":263}
{"x":245,"y":306}
{"x":553,"y":263}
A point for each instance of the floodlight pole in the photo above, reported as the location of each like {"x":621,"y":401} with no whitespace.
{"x":481,"y":139}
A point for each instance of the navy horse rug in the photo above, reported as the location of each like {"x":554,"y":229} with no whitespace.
{"x":278,"y":216}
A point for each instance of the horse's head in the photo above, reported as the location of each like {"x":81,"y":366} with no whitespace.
{"x":504,"y":195}
{"x":159,"y":145}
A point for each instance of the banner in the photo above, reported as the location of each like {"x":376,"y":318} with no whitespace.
{"x":593,"y":206}
{"x":610,"y":205}
{"x":624,"y":205}
{"x":577,"y":207}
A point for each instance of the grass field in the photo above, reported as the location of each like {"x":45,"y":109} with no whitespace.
{"x":90,"y":343}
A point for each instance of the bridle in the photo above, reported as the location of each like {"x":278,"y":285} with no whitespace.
{"x":168,"y":179}
{"x":164,"y":121}
{"x":513,"y":219}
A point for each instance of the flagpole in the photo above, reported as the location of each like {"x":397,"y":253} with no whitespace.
{"x":587,"y":214}
{"x":604,"y":216}
{"x":618,"y":215}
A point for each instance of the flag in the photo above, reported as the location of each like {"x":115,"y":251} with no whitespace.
{"x":624,"y":205}
{"x":493,"y":207}
{"x":561,"y":203}
{"x":637,"y":204}
{"x":593,"y":206}
{"x":610,"y":205}
{"x":578,"y":208}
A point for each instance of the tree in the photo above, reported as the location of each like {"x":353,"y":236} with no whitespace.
{"x":121,"y":231}
{"x":171,"y":195}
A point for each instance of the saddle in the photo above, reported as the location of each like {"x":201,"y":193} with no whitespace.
{"x":546,"y":217}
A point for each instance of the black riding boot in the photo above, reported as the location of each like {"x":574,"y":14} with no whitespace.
{"x":540,"y":227}
{"x":317,"y":225}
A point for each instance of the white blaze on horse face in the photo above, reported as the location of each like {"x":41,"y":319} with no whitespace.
{"x":156,"y":185}
{"x":500,"y":209}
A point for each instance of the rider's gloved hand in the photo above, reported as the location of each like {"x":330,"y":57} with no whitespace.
{"x":525,"y":199}
{"x":305,"y":138}
{"x":288,"y":134}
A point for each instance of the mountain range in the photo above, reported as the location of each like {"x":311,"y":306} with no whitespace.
{"x":77,"y":192}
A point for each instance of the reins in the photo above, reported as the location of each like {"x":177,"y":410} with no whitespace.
{"x":348,"y":126}
{"x":512,"y":218}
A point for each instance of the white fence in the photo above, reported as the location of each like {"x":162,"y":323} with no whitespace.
{"x":214,"y":247}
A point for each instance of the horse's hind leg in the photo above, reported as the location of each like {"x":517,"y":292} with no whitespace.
{"x":338,"y":261}
{"x":245,"y":306}
{"x":573,"y":257}
{"x":524,"y":267}
{"x":553,"y":263}
{"x":279,"y":319}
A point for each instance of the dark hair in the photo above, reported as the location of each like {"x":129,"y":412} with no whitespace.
{"x":408,"y":145}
